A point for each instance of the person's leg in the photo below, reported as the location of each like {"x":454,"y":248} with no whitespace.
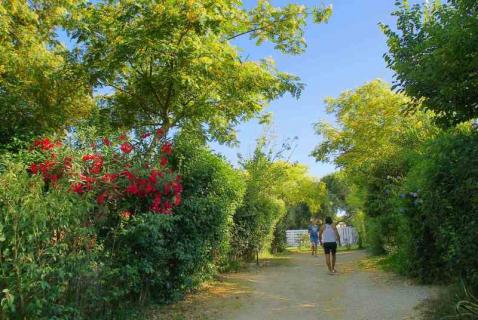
{"x":327,"y":261}
{"x":334,"y":252}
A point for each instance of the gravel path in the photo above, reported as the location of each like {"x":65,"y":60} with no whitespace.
{"x":298,"y":287}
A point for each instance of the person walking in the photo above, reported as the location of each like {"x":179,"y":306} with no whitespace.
{"x":329,"y":237}
{"x":314,"y":235}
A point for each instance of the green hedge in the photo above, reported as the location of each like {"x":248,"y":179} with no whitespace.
{"x":53,"y":265}
{"x":442,"y":205}
{"x":44,"y":250}
{"x":201,"y":229}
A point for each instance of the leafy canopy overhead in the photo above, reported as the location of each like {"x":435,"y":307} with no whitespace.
{"x":174,"y":64}
{"x":42,"y":88}
{"x":434,"y":54}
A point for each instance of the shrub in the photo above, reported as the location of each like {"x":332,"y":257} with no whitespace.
{"x":442,"y":206}
{"x":93,"y":201}
{"x":200,"y":229}
{"x":44,"y":247}
{"x":255,"y":223}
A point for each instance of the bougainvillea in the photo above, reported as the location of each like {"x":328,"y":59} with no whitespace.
{"x":122,"y":174}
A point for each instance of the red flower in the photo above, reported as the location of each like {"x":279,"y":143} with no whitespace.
{"x":44,"y":144}
{"x":153,"y":175}
{"x":122,"y":137}
{"x":54,"y":178}
{"x":126,"y":147}
{"x":132,"y":188}
{"x":167,"y":207}
{"x":156,"y":203}
{"x":164,"y":161}
{"x":88,"y":157}
{"x":77,"y":187}
{"x":149,"y":188}
{"x":109,"y":177}
{"x":107,"y":142}
{"x":177,"y":200}
{"x":102,"y":197}
{"x":177,"y":187}
{"x":128,"y":174}
{"x":87,"y":179}
{"x":97,"y":166}
{"x":167,"y":188}
{"x":145,"y":135}
{"x":33,"y":168}
{"x":96,"y":169}
{"x":166,"y":148}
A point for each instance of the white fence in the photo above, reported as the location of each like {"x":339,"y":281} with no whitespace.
{"x":348,"y":236}
{"x":293,"y":237}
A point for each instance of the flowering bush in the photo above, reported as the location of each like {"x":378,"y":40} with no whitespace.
{"x":91,"y":224}
{"x":119,"y":172}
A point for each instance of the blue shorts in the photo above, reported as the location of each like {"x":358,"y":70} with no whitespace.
{"x":314,"y":241}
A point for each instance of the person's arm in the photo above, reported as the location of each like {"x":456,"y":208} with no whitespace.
{"x":337,"y":235}
{"x":320,"y":234}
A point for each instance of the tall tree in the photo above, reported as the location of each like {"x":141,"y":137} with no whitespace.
{"x":42,"y":88}
{"x":371,"y":140}
{"x":434,"y":54}
{"x":174,"y":63}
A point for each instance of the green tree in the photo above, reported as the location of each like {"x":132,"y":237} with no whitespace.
{"x":435,"y":57}
{"x":272,"y":186}
{"x":372,"y":143}
{"x":42,"y":88}
{"x":174,"y":64}
{"x":337,"y":192}
{"x":371,"y":126}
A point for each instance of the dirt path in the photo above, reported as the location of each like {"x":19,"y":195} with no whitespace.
{"x":298,"y":287}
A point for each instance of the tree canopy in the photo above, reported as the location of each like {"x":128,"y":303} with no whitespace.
{"x":174,"y":63}
{"x":371,"y":126}
{"x":42,"y":87}
{"x":435,"y":57}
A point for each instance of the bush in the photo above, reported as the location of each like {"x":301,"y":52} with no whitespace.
{"x":254,"y":225}
{"x":44,"y":247}
{"x":201,"y":227}
{"x":442,"y":206}
{"x":66,"y":252}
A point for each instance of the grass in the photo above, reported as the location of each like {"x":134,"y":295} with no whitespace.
{"x":453,"y":302}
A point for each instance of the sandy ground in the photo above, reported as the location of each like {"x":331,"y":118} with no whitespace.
{"x":298,"y":287}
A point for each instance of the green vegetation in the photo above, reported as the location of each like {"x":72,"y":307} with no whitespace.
{"x":110,"y":197}
{"x":434,"y":56}
{"x":96,"y":228}
{"x":411,"y":185}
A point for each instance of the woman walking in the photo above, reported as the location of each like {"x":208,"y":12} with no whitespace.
{"x":329,"y":237}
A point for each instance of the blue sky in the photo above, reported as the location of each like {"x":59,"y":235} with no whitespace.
{"x":341,"y":55}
